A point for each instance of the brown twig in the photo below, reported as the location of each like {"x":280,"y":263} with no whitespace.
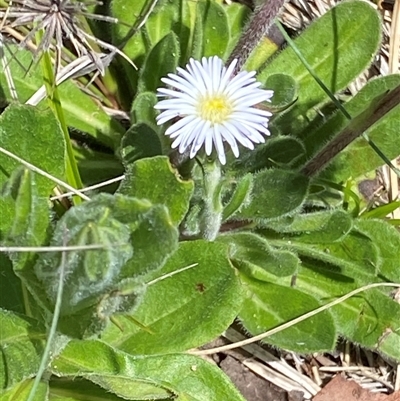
{"x":355,"y":128}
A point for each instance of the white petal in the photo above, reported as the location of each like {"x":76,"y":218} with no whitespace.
{"x":230,"y":139}
{"x":219,"y":145}
{"x":237,"y":133}
{"x":179,"y":124}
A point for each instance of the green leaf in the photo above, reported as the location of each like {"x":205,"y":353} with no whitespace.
{"x":387,"y":239}
{"x":269,"y":305}
{"x":276,"y":193}
{"x":285,"y":90}
{"x":355,"y":255}
{"x":238,"y":15}
{"x":315,"y":228}
{"x":156,"y":180}
{"x":80,"y":109}
{"x":140,"y":141}
{"x":251,"y":251}
{"x":359,"y":158}
{"x":78,"y":390}
{"x":138,"y":237}
{"x":195,"y":49}
{"x":185,"y":310}
{"x":142,"y":110}
{"x":170,"y":16}
{"x":21,"y":344}
{"x":187,"y":377}
{"x":216,"y":31}
{"x":11,"y":297}
{"x":239,"y":197}
{"x":162,"y":59}
{"x":338,"y":47}
{"x":277,"y":151}
{"x":131,"y":14}
{"x":370,"y":319}
{"x":20,"y":392}
{"x":26,"y":224}
{"x":36,"y":137}
{"x":88,"y":274}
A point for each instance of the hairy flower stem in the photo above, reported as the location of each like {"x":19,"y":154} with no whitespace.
{"x":379,"y":108}
{"x":260,"y":22}
{"x":211,"y":215}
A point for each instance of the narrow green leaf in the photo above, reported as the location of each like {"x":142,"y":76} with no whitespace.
{"x":276,"y":193}
{"x":196,"y":48}
{"x":21,"y":344}
{"x":338,"y":47}
{"x":162,"y":59}
{"x":185,"y":376}
{"x":156,"y":180}
{"x":269,"y":305}
{"x":185,"y":310}
{"x":239,"y":197}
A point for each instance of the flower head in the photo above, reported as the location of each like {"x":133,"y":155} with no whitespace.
{"x":213,"y":106}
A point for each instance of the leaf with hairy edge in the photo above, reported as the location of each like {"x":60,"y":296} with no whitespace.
{"x":348,"y":37}
{"x":269,"y":305}
{"x":251,"y":251}
{"x":185,"y":310}
{"x":142,"y":110}
{"x":315,"y":228}
{"x":137,"y":238}
{"x":22,"y":345}
{"x":277,"y":151}
{"x":156,"y":180}
{"x":180,"y":376}
{"x":276,"y":193}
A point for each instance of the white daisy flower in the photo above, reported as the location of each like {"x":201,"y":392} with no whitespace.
{"x":213,"y":107}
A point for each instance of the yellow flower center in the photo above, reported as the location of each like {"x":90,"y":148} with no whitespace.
{"x":215,"y":109}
